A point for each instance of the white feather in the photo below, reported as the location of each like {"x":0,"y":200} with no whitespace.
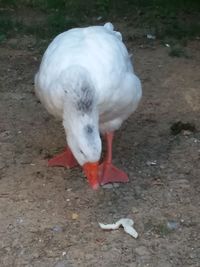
{"x":94,"y":58}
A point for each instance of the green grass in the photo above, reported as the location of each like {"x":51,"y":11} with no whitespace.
{"x":169,"y":20}
{"x":159,"y":228}
{"x":150,"y":7}
{"x":177,"y":51}
{"x":8,"y":25}
{"x":52,"y":25}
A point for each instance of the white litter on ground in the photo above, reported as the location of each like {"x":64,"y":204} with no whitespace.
{"x":151,"y":36}
{"x":125,"y":222}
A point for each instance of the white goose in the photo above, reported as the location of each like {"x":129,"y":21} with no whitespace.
{"x":87,"y":80}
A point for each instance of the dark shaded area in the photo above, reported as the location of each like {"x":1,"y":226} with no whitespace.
{"x":180,"y":126}
{"x":174,"y":19}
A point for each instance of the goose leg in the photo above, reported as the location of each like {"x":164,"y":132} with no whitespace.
{"x":64,"y":159}
{"x":108,"y":173}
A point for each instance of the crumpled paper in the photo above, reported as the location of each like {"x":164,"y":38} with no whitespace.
{"x":125,"y":222}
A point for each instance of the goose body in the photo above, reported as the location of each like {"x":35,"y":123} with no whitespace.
{"x":87,"y":80}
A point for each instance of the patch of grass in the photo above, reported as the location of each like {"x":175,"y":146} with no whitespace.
{"x":9,"y":26}
{"x":177,"y":29}
{"x":103,"y":6}
{"x":162,"y":229}
{"x":8,"y":3}
{"x":158,"y":228}
{"x":179,"y":126}
{"x":177,"y":20}
{"x":59,"y":23}
{"x":2,"y":38}
{"x":6,"y":24}
{"x":52,"y":25}
{"x":177,"y":51}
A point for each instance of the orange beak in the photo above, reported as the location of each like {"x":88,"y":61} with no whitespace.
{"x":91,"y":172}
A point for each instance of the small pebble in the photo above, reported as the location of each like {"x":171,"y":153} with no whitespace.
{"x":172,"y":225}
{"x":142,"y":251}
{"x":151,"y":36}
{"x":69,"y":189}
{"x":57,"y":228}
{"x":187,"y":133}
{"x":107,"y":186}
{"x":109,"y":203}
{"x":151,"y":163}
{"x":99,"y":18}
{"x":20,"y":220}
{"x":74,"y":216}
{"x":134,"y":210}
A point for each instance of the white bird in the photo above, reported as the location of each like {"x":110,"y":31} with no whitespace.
{"x":87,"y":80}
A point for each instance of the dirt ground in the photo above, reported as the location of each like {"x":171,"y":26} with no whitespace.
{"x":49,"y":216}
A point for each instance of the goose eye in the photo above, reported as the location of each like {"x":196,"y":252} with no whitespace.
{"x":89,"y":129}
{"x":82,"y":152}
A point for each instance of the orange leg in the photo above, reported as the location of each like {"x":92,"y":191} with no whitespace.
{"x":108,"y":173}
{"x":65,"y":159}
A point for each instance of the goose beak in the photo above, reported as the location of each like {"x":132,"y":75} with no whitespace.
{"x":91,"y":172}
